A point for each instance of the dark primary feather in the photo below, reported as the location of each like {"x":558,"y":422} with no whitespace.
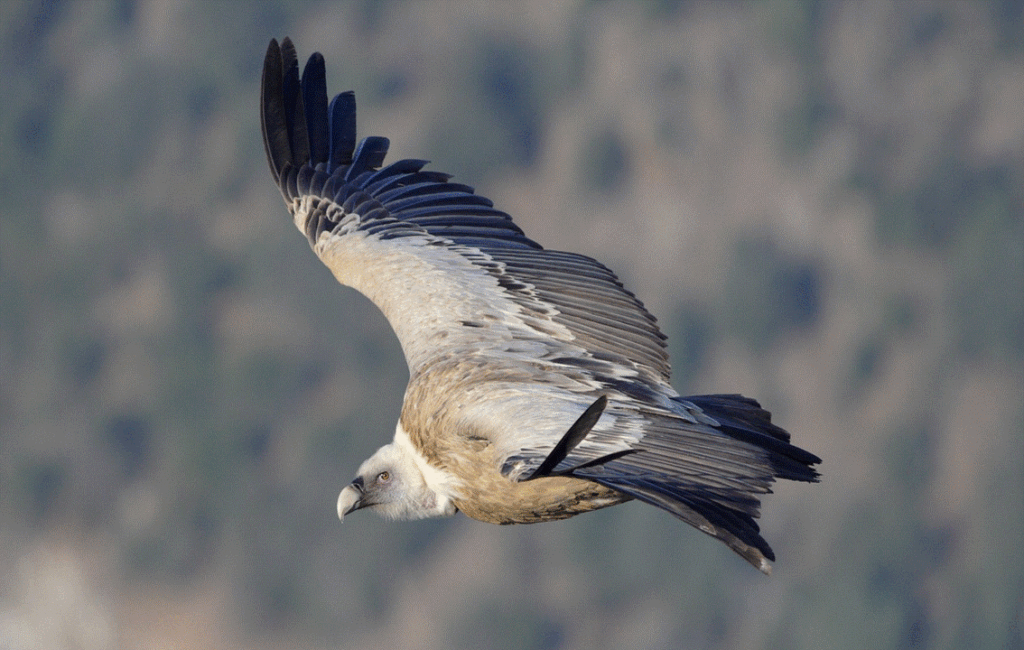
{"x":342,"y":125}
{"x":294,"y":109}
{"x":272,"y":117}
{"x":314,"y":100}
{"x":704,"y":459}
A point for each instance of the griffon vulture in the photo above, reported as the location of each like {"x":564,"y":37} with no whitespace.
{"x":539,"y":386}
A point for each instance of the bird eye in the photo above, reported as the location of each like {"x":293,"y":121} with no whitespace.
{"x":384,"y":477}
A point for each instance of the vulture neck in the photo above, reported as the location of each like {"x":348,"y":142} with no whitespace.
{"x":440,"y":483}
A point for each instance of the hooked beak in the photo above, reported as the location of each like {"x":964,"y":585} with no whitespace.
{"x":350,"y":499}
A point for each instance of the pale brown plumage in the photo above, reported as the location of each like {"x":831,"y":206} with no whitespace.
{"x":539,"y":387}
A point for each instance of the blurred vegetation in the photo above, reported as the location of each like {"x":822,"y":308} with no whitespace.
{"x":184,"y":387}
{"x":770,"y":293}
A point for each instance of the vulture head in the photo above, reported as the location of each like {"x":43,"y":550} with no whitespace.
{"x":394,"y":483}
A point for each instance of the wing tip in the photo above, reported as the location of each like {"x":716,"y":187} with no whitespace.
{"x":312,"y":148}
{"x":300,"y":126}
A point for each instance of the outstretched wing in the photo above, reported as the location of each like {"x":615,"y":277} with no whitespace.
{"x":450,"y":272}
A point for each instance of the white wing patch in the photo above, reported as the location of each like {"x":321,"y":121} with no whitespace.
{"x":434,"y":297}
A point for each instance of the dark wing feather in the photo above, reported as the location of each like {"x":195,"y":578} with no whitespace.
{"x":294,"y":108}
{"x":572,"y":438}
{"x":314,"y":100}
{"x":272,"y":114}
{"x":342,"y":129}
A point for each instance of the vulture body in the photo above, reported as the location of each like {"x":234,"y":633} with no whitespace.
{"x":539,"y":387}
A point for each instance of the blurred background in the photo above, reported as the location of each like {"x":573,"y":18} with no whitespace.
{"x":823,"y":203}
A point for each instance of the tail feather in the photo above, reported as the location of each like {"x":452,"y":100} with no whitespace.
{"x":742,"y":418}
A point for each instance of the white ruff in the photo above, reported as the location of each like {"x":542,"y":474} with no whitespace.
{"x":442,"y":483}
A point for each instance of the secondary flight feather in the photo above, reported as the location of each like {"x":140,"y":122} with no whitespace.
{"x":539,"y":386}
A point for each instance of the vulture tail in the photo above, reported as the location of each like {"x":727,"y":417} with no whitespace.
{"x":711,"y":473}
{"x":743,"y":419}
